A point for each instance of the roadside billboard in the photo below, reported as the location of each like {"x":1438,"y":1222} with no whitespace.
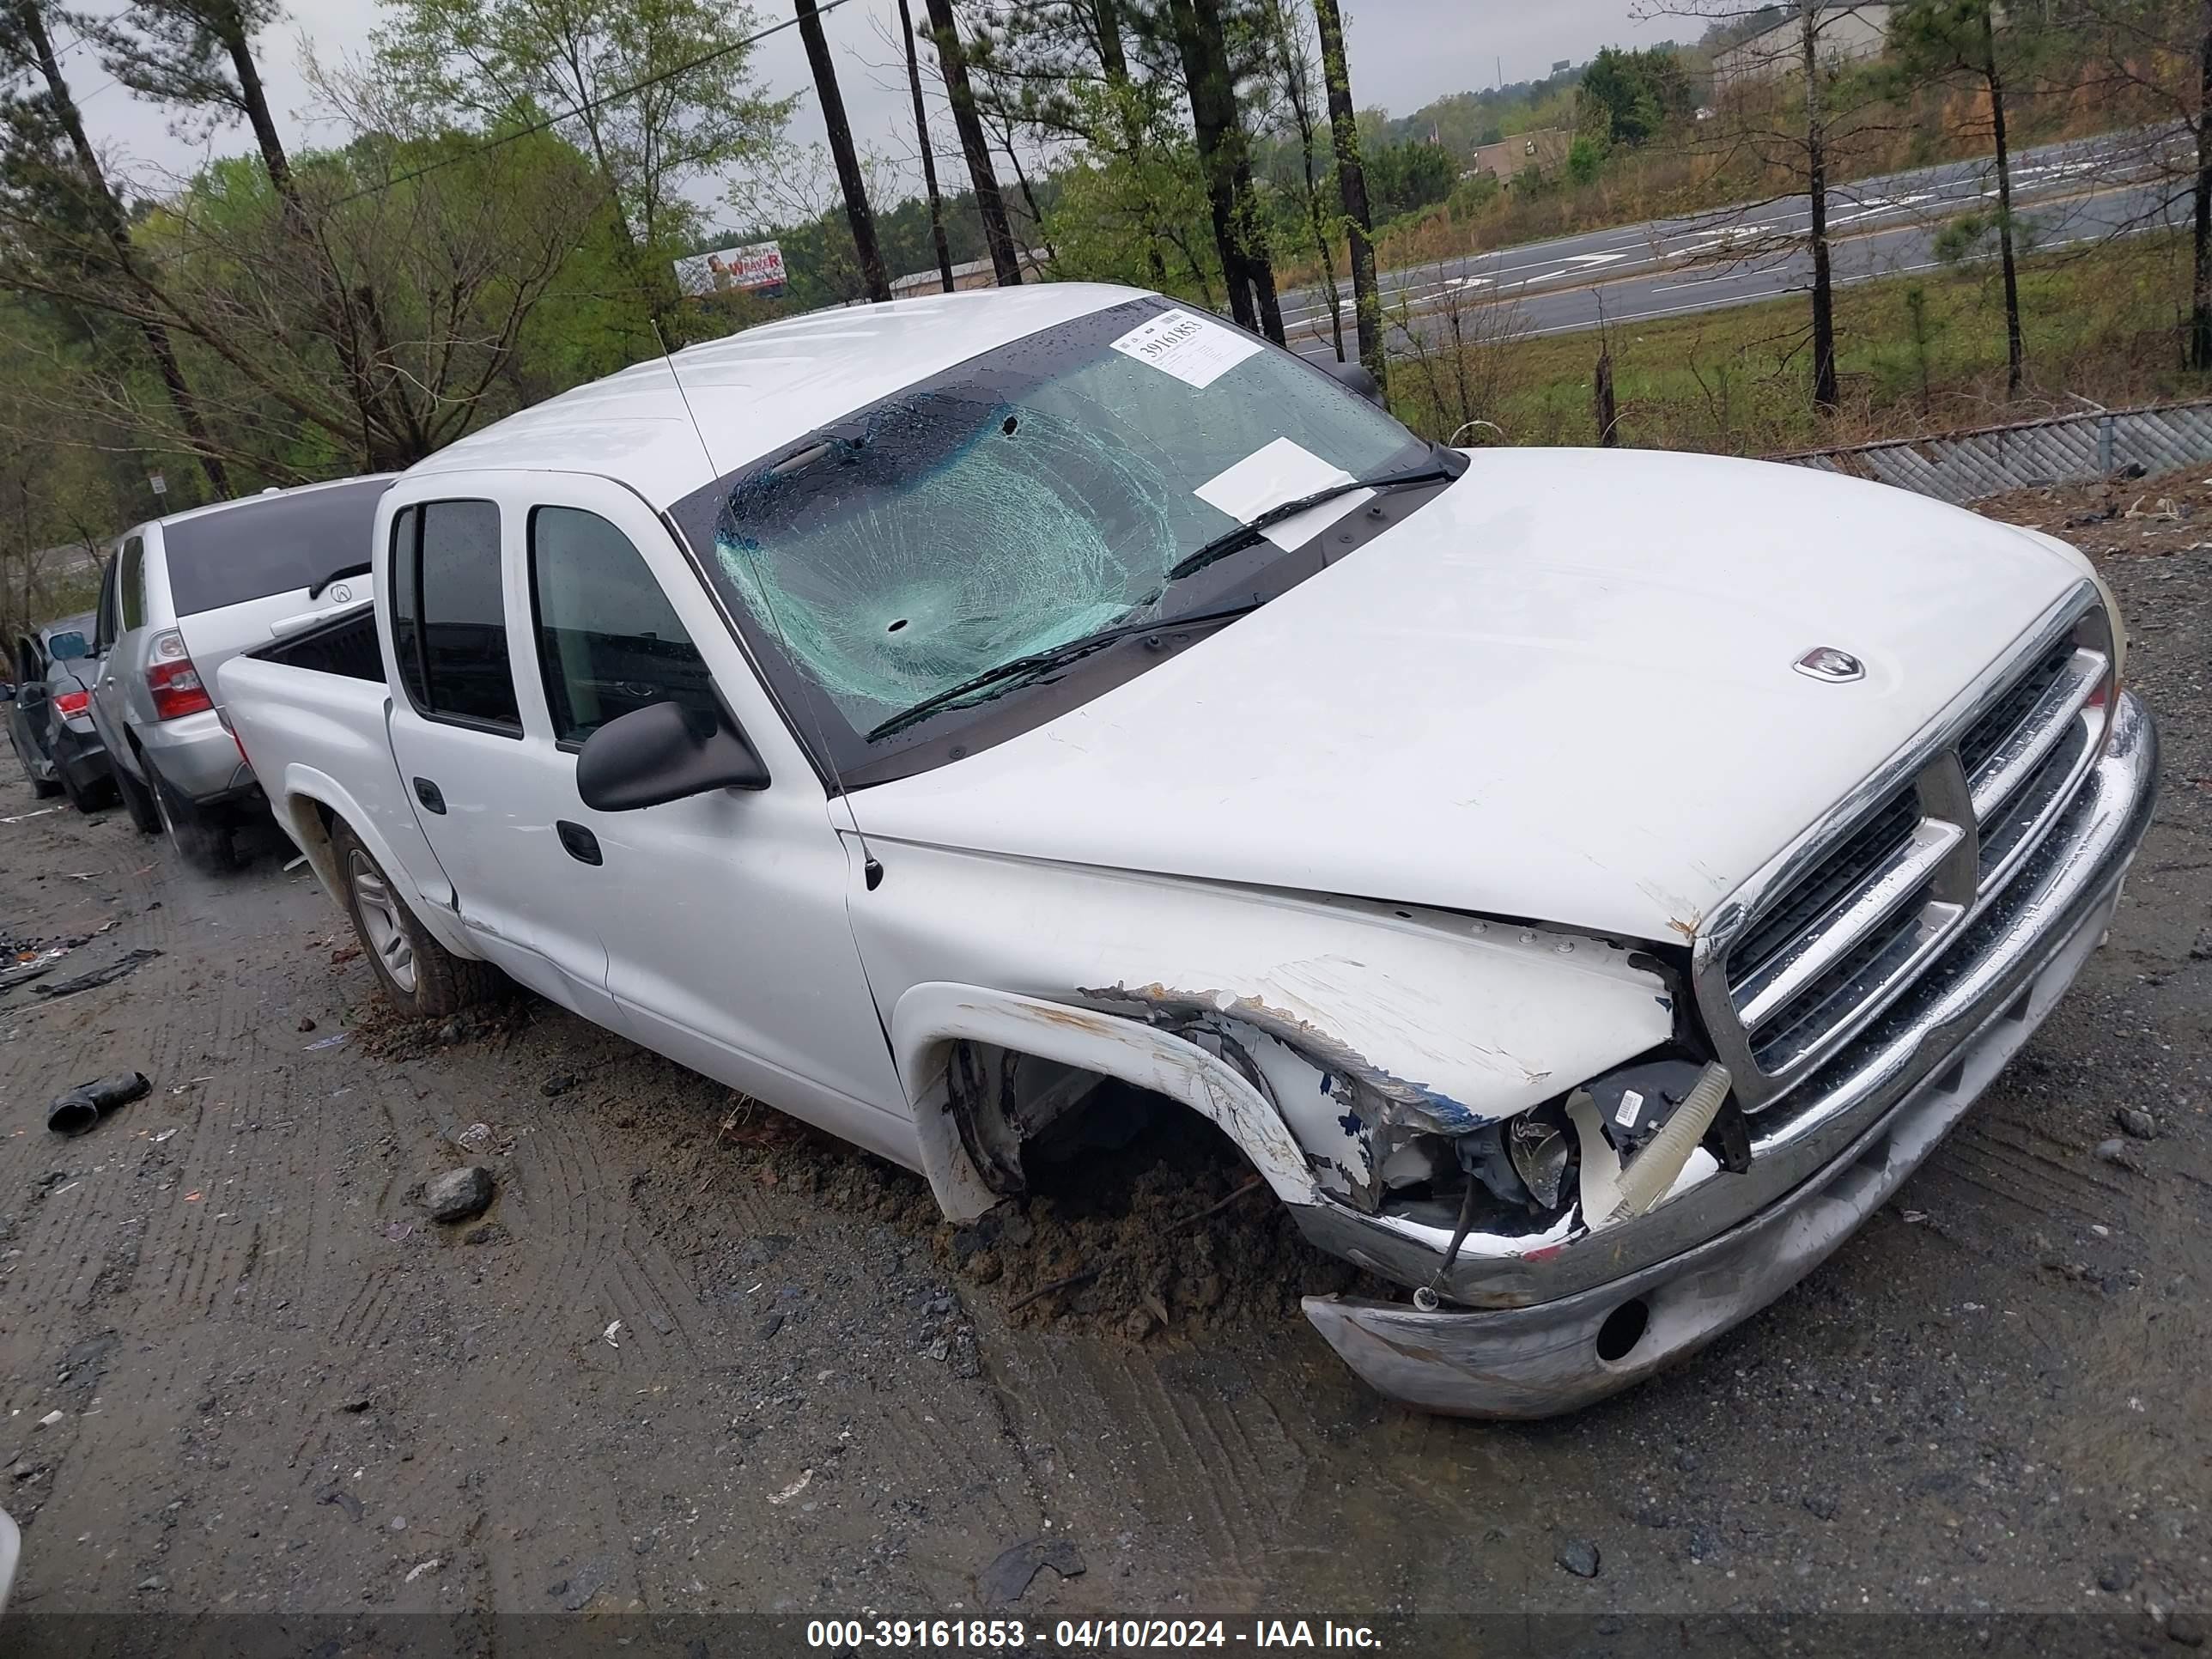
{"x":756,"y":268}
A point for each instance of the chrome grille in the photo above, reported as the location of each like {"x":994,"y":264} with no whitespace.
{"x":1870,"y":846}
{"x":1839,"y":927}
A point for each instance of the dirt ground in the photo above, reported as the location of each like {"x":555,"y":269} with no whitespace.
{"x":697,"y":1362}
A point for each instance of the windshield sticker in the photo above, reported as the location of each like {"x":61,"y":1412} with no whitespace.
{"x":1275,"y":473}
{"x":1196,"y":350}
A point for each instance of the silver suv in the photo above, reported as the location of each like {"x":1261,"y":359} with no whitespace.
{"x":182,"y":596}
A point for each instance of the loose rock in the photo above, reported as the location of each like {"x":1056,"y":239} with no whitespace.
{"x":2184,"y":1627}
{"x":2117,"y":1575}
{"x":2114,"y":1150}
{"x":2137,"y":1122}
{"x":1579,"y":1556}
{"x":459,"y":1194}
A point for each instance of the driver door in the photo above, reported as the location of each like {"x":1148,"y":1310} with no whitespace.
{"x":728,"y":945}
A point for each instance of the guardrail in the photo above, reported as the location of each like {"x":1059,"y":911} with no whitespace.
{"x":1959,"y":467}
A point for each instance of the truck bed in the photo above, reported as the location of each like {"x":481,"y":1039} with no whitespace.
{"x":344,"y":645}
{"x":309,"y":712}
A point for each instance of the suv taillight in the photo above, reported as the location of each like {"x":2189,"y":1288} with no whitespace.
{"x":172,"y":682}
{"x":73,"y":703}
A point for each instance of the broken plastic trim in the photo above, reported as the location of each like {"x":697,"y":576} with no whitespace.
{"x":1278,"y":1054}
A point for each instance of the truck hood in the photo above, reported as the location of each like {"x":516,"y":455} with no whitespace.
{"x":1563,"y":690}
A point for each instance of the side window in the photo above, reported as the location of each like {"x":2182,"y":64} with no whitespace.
{"x":104,"y":627}
{"x":405,"y":600}
{"x":607,"y":640}
{"x":455,"y":618}
{"x":131,"y":584}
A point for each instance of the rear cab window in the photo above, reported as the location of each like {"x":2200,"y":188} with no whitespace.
{"x":449,"y":616}
{"x":265,"y":545}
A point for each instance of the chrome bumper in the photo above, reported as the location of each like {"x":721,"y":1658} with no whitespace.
{"x":1712,"y":1255}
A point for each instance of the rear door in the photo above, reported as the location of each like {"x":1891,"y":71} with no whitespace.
{"x":477,"y":780}
{"x":119,"y":630}
{"x":238,"y":578}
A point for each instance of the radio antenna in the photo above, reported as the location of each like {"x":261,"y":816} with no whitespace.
{"x":871,"y":868}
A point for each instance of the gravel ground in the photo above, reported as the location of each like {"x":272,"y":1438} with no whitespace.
{"x":696,"y":1360}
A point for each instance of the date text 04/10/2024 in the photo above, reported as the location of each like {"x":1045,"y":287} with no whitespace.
{"x":1005,"y":1635}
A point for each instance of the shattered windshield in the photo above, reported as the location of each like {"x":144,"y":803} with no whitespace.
{"x":1030,"y":498}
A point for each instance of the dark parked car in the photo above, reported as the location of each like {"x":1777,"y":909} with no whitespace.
{"x":50,"y":717}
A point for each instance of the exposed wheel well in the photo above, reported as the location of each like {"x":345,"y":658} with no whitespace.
{"x":989,"y":1070}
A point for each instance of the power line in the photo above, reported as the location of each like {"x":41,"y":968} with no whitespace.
{"x":551,"y":121}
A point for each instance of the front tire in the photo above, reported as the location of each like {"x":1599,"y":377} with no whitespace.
{"x":417,"y":975}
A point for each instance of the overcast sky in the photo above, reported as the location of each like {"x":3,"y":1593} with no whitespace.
{"x":1403,"y":53}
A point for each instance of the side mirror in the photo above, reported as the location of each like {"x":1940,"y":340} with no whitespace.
{"x":664,"y":753}
{"x":1354,"y":375}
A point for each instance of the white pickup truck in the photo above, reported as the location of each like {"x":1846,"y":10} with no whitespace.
{"x":1583,"y":885}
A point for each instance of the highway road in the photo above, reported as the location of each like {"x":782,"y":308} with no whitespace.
{"x":2068,"y":194}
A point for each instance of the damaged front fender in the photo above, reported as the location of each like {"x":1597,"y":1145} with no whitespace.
{"x":1379,"y":1080}
{"x":1343,"y":1044}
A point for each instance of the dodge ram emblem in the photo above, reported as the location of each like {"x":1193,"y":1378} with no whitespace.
{"x":1824,"y":662}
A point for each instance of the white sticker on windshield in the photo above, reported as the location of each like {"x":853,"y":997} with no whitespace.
{"x":1195,"y":349}
{"x":1278,"y":472}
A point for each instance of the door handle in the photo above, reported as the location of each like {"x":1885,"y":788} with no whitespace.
{"x":429,"y":794}
{"x":583,"y":846}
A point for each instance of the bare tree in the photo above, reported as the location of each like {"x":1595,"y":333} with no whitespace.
{"x":1224,"y":155}
{"x":33,"y":162}
{"x":952,"y":63}
{"x":1294,"y":59}
{"x":928,"y":151}
{"x":2156,"y":56}
{"x":1948,"y":40}
{"x":1788,"y":116}
{"x":1455,"y":355}
{"x":1062,"y":71}
{"x":659,"y":94}
{"x":443,"y":248}
{"x":1352,"y":190}
{"x":857,"y":211}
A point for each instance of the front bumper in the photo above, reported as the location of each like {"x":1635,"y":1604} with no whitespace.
{"x":1651,"y":1290}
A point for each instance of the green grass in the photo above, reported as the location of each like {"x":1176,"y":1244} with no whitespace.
{"x":2104,"y":323}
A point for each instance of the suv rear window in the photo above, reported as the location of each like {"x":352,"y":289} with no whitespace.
{"x":269,"y":544}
